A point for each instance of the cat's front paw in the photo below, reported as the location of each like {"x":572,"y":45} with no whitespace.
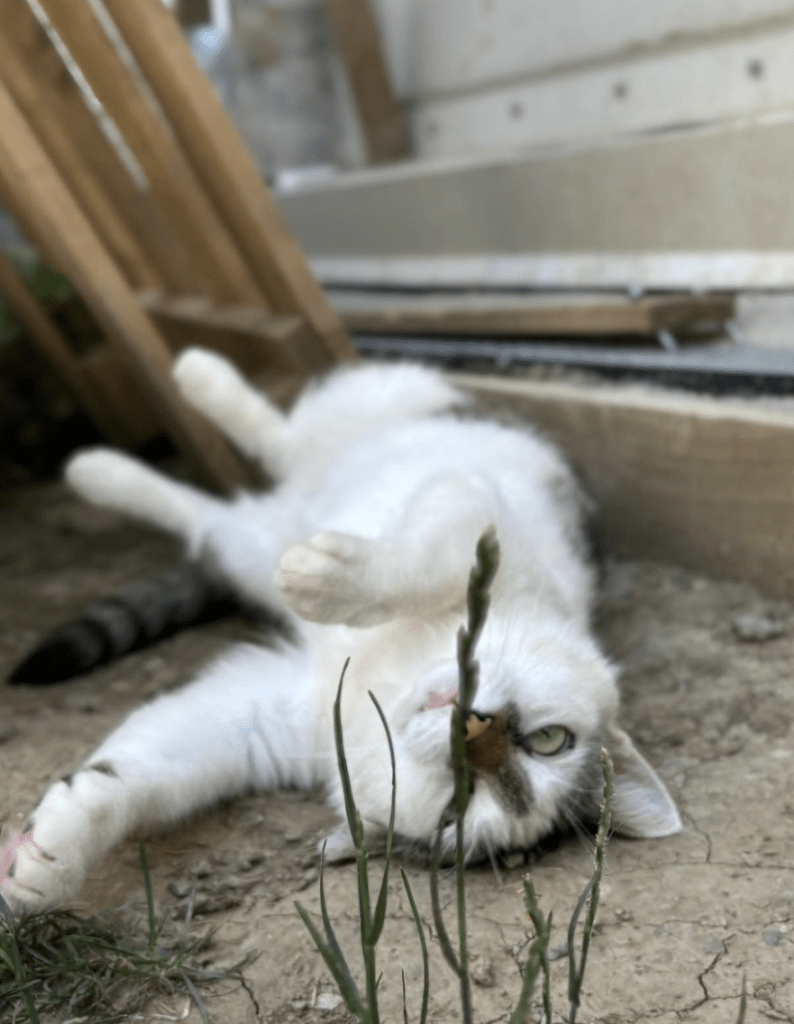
{"x":78,"y":820}
{"x":32,"y":878}
{"x":329,"y":579}
{"x":100,"y":474}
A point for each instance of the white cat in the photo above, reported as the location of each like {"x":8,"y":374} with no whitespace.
{"x":399,"y":489}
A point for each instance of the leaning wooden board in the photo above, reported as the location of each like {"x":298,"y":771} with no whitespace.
{"x":703,"y":482}
{"x":539,"y":314}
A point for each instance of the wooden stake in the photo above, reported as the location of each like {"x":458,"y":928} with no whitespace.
{"x":359,"y":43}
{"x":28,"y":176}
{"x":87,"y":189}
{"x":226,"y":168}
{"x":170,"y":176}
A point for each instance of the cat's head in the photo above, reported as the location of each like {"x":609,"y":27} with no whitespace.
{"x":546,"y":704}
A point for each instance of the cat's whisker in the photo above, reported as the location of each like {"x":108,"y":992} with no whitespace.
{"x":494,"y":862}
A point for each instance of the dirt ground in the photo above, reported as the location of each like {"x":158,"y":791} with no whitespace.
{"x":681,"y":920}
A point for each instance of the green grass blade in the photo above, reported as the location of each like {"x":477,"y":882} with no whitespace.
{"x":542,"y":927}
{"x":330,"y":934}
{"x":742,"y":1001}
{"x":380,"y":904}
{"x":7,"y":914}
{"x":147,"y":884}
{"x":442,"y":934}
{"x":348,"y":993}
{"x":423,"y":944}
{"x":23,"y":983}
{"x":353,"y":818}
{"x":198,"y":1002}
{"x":593,"y":889}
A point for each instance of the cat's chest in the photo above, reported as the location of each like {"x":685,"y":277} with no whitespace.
{"x":391,"y":661}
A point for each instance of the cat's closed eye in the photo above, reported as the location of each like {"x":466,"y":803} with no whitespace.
{"x":548,"y":741}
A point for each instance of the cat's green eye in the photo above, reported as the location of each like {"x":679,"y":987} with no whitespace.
{"x":553,"y":739}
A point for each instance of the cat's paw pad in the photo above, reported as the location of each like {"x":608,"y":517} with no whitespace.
{"x":329,"y":579}
{"x":33,"y":879}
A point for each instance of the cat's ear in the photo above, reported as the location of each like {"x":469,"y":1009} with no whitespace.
{"x":338,"y":844}
{"x":641,"y":806}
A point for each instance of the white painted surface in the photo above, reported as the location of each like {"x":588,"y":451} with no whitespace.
{"x":748,"y":78}
{"x":449,"y":45}
{"x":632,"y":271}
{"x":482,"y":74}
{"x":717,"y":193}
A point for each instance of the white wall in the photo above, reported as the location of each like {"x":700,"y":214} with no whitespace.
{"x":479,"y":75}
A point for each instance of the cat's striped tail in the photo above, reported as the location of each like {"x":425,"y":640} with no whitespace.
{"x":137,"y":615}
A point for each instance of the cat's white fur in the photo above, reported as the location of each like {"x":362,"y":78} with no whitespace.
{"x":365,"y":546}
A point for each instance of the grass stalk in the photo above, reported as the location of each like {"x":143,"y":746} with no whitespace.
{"x":538,"y":959}
{"x":56,"y":965}
{"x":423,"y":945}
{"x":590,"y":895}
{"x":370,"y":922}
{"x":477,"y":601}
{"x":10,"y":954}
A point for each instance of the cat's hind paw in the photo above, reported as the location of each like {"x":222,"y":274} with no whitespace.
{"x":217,"y":389}
{"x":329,"y":579}
{"x":206,"y":379}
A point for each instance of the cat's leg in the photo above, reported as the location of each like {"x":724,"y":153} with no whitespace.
{"x":242,"y":725}
{"x":421,"y":568}
{"x":114,"y":480}
{"x":215,"y":388}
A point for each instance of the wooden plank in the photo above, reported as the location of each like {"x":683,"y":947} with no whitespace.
{"x":26,"y":89}
{"x":557,"y":313}
{"x":380,"y":116}
{"x":669,"y":270}
{"x":137,"y":208}
{"x":45,"y":334}
{"x":227,"y":171}
{"x":698,"y":481}
{"x":254,"y":340}
{"x":28,"y":176}
{"x":170,"y":176}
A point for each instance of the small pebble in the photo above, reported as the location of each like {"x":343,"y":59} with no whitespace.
{"x":756,"y":628}
{"x":201,"y":869}
{"x":180,"y":887}
{"x":482,"y":972}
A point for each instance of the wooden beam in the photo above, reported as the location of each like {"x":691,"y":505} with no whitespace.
{"x":61,"y":96}
{"x":555,"y":313}
{"x":26,"y":88}
{"x":380,"y":115}
{"x":227,"y":170}
{"x":256,"y":341}
{"x":698,"y":481}
{"x":46,"y":336}
{"x":171,"y":178}
{"x":31,"y":181}
{"x":121,"y":386}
